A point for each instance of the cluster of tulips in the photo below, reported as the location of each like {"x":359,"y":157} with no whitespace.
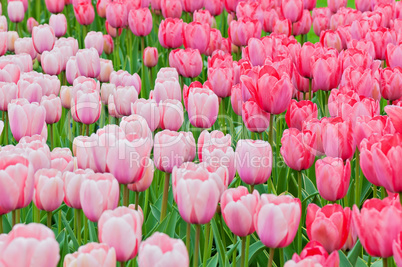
{"x":239,"y":137}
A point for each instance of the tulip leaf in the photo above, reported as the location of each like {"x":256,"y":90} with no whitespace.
{"x":218,"y":241}
{"x":254,"y":250}
{"x":353,"y":255}
{"x":171,"y":226}
{"x":93,"y":237}
{"x":212,"y":262}
{"x":360,"y":263}
{"x":343,"y":260}
{"x":70,"y":231}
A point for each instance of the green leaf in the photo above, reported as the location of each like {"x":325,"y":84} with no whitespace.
{"x":93,"y":237}
{"x":218,"y":241}
{"x":343,"y":260}
{"x":70,"y":231}
{"x":254,"y":250}
{"x":355,"y":252}
{"x":171,"y":226}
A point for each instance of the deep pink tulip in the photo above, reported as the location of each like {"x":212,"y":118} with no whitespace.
{"x":303,"y":26}
{"x":191,"y":182}
{"x":362,"y":81}
{"x":167,"y":88}
{"x":171,"y":114}
{"x":8,"y":92}
{"x":54,"y":6}
{"x":203,"y":107}
{"x":242,"y":30}
{"x":192,"y":5}
{"x":298,"y":112}
{"x":121,"y":229}
{"x":231,"y":5}
{"x":159,"y":248}
{"x":49,"y":192}
{"x":215,"y":7}
{"x":140,"y":21}
{"x":86,"y":106}
{"x":204,"y":16}
{"x":99,"y":192}
{"x":378,"y":125}
{"x":396,"y":250}
{"x":282,"y":26}
{"x":196,"y":35}
{"x":255,"y":119}
{"x":378,"y":224}
{"x":270,"y":16}
{"x":394,"y":112}
{"x":16,"y":11}
{"x":150,"y":57}
{"x":43,"y":38}
{"x":106,"y":69}
{"x":221,"y":79}
{"x":123,"y":78}
{"x":238,"y":203}
{"x":62,"y":159}
{"x":92,"y":253}
{"x":320,"y":24}
{"x":335,"y":5}
{"x":292,"y":9}
{"x":52,"y":105}
{"x":59,"y":24}
{"x":31,"y":22}
{"x":51,"y":61}
{"x":393,"y":54}
{"x":381,"y":37}
{"x":312,"y":254}
{"x":332,"y":39}
{"x":84,"y":12}
{"x":17,"y":183}
{"x":146,"y":180}
{"x":389,"y":83}
{"x":95,"y":40}
{"x":170,"y":33}
{"x":366,"y":158}
{"x":253,"y":161}
{"x":303,"y":58}
{"x":236,"y":99}
{"x":309,"y":4}
{"x":117,"y":14}
{"x":26,"y":119}
{"x":327,"y":225}
{"x":148,"y":109}
{"x":363,"y":6}
{"x":295,"y":150}
{"x":171,"y":8}
{"x":326,"y":72}
{"x":188,"y":62}
{"x":36,"y":240}
{"x":272,"y":209}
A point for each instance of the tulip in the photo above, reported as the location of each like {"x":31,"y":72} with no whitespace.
{"x":99,"y":192}
{"x":168,"y":88}
{"x":11,"y":37}
{"x":140,"y":21}
{"x":22,"y":45}
{"x":303,"y":26}
{"x":16,"y":12}
{"x":204,"y":17}
{"x":171,"y":8}
{"x":196,"y":35}
{"x":298,"y":112}
{"x":292,"y":9}
{"x":295,"y":151}
{"x":220,"y":156}
{"x":170,"y":33}
{"x":361,"y":81}
{"x":92,"y":253}
{"x":84,"y":12}
{"x":146,"y":180}
{"x":221,"y":79}
{"x":236,"y":100}
{"x":188,"y":62}
{"x":320,"y":24}
{"x":396,"y":250}
{"x":59,"y":24}
{"x":106,"y":70}
{"x":272,"y":209}
{"x":378,"y":224}
{"x":8,"y":92}
{"x":32,"y":92}
{"x":392,"y":55}
{"x":255,"y":119}
{"x":95,"y":40}
{"x":190,"y":5}
{"x":231,"y":5}
{"x":171,"y":114}
{"x":34,"y":238}
{"x":314,"y":253}
{"x":389,"y":83}
{"x":49,"y":192}
{"x":215,"y":7}
{"x":121,"y":229}
{"x":51,"y":61}
{"x":159,"y":249}
{"x":72,"y":71}
{"x":117,"y":14}
{"x":101,"y":6}
{"x":52,"y":105}
{"x":150,"y":57}
{"x":108,"y":44}
{"x":335,"y":5}
{"x":43,"y":37}
{"x":37,"y":151}
{"x":215,"y":138}
{"x":134,"y":127}
{"x":88,"y":62}
{"x":394,"y":113}
{"x":122,"y":99}
{"x":381,"y":37}
{"x":378,"y":125}
{"x":326,"y":72}
{"x":3,"y":42}
{"x":332,"y":39}
{"x":203,"y":107}
{"x":149,"y":110}
{"x":86,"y":106}
{"x":62,"y":159}
{"x":172,"y":149}
{"x":72,"y":186}
{"x":17,"y":184}
{"x":123,"y":78}
{"x":31,"y":22}
{"x":242,"y":30}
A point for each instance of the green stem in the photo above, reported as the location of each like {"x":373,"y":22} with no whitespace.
{"x":1,"y":224}
{"x":196,"y":245}
{"x":122,"y":264}
{"x":271,"y":130}
{"x":251,"y":188}
{"x":79,"y":229}
{"x":165,"y":196}
{"x":261,"y":138}
{"x":188,"y":235}
{"x":59,"y":222}
{"x":271,"y":256}
{"x":146,"y":203}
{"x":281,"y":258}
{"x":13,"y":217}
{"x":234,"y":255}
{"x":357,"y":178}
{"x":142,"y":68}
{"x":38,"y":10}
{"x":126,"y":194}
{"x":243,"y":251}
{"x":247,"y":250}
{"x":385,"y":262}
{"x":383,"y":193}
{"x":116,"y":52}
{"x":49,"y":219}
{"x":310,"y":95}
{"x":374,"y":191}
{"x":5,"y":127}
{"x":86,"y":228}
{"x":299,"y":195}
{"x":87,"y":133}
{"x":369,"y":261}
{"x":18,"y":216}
{"x":206,"y":242}
{"x":400,"y":197}
{"x":84,"y":34}
{"x":326,"y":95}
{"x":151,"y":80}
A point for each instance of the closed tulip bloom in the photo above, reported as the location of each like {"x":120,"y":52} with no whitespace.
{"x":215,"y":7}
{"x":123,"y":78}
{"x":220,"y":156}
{"x":281,"y":215}
{"x":150,"y":57}
{"x":123,"y":97}
{"x":221,"y":79}
{"x":309,"y":4}
{"x":16,"y":12}
{"x":140,"y":21}
{"x":17,"y":183}
{"x":95,"y":40}
{"x":298,"y":112}
{"x":86,"y":106}
{"x":88,"y":62}
{"x":171,"y":8}
{"x":106,"y":90}
{"x":171,"y":114}
{"x":335,"y":5}
{"x":99,"y":192}
{"x":117,"y":14}
{"x":215,"y":138}
{"x":72,"y":186}
{"x":242,"y":30}
{"x":170,"y":33}
{"x":146,"y":180}
{"x":3,"y":43}
{"x":191,"y":182}
{"x":168,"y":88}
{"x":253,"y":161}
{"x":389,"y":83}
{"x":203,"y":107}
{"x":326,"y":72}
{"x":332,"y":39}
{"x":54,"y":6}
{"x":172,"y":149}
{"x":62,"y":159}
{"x":333,"y":178}
{"x":320,"y":24}
{"x":52,"y":105}
{"x":292,"y":9}
{"x":196,"y":35}
{"x":255,"y":119}
{"x":159,"y":249}
{"x":303,"y":26}
{"x":231,"y":5}
{"x":282,"y":26}
{"x":394,"y":112}
{"x":24,"y":45}
{"x":59,"y":24}
{"x":337,"y":137}
{"x":8,"y":92}
{"x":378,"y":125}
{"x":392,"y":55}
{"x":396,"y":250}
{"x":108,"y":45}
{"x":148,"y":109}
{"x":84,"y":12}
{"x":135,"y":127}
{"x":26,"y":119}
{"x":362,"y":81}
{"x":236,"y":99}
{"x":92,"y":254}
{"x":121,"y":229}
{"x":191,"y":5}
{"x":203,"y":16}
{"x":188,"y":62}
{"x":314,"y":253}
{"x":38,"y":152}
{"x":378,"y":224}
{"x":101,"y":6}
{"x":43,"y":38}
{"x":36,"y":240}
{"x":381,"y":37}
{"x":11,"y":37}
{"x":31,"y":22}
{"x":106,"y":70}
{"x":295,"y":150}
{"x":49,"y":192}
{"x":238,"y":203}
{"x":327,"y":225}
{"x":51,"y":61}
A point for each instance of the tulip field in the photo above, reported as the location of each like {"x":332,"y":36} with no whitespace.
{"x":176,"y":133}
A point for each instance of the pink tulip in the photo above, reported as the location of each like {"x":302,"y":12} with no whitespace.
{"x":191,"y":182}
{"x":327,"y":225}
{"x":117,"y":14}
{"x":108,"y":45}
{"x":188,"y":62}
{"x":95,"y":40}
{"x":361,"y":81}
{"x":272,"y":209}
{"x":250,"y":9}
{"x":122,"y":98}
{"x":101,"y":6}
{"x":32,"y":92}
{"x":148,"y":109}
{"x":123,"y":78}
{"x":168,"y":88}
{"x":221,"y":79}
{"x":298,"y":112}
{"x":31,"y":22}
{"x":92,"y":253}
{"x":37,"y":151}
{"x":171,"y":8}
{"x":389,"y":83}
{"x":204,"y":17}
{"x":303,"y":26}
{"x":134,"y":127}
{"x":159,"y":249}
{"x":312,"y":254}
{"x":392,"y":55}
{"x":362,"y":5}
{"x":11,"y":37}
{"x":292,"y":9}
{"x":106,"y":90}
{"x":338,"y":139}
{"x":121,"y":229}
{"x":255,"y":119}
{"x":8,"y":92}
{"x":146,"y":180}
{"x":88,"y":62}
{"x":396,"y":250}
{"x":192,"y":5}
{"x":231,"y":5}
{"x":378,"y":125}
{"x":320,"y":24}
{"x":215,"y":7}
{"x":378,"y":224}
{"x":59,"y":24}
{"x":140,"y":21}
{"x":171,"y":114}
{"x":335,"y":5}
{"x":72,"y":186}
{"x":43,"y":38}
{"x":62,"y":159}
{"x":215,"y":41}
{"x":3,"y":43}
{"x":394,"y":113}
{"x":236,"y":99}
{"x":150,"y":57}
{"x":295,"y":150}
{"x":99,"y":192}
{"x":17,"y":184}
{"x":332,"y":39}
{"x":16,"y":12}
{"x":49,"y":192}
{"x":36,"y":240}
{"x":170,"y":33}
{"x":51,"y":61}
{"x":309,"y":4}
{"x":242,"y":30}
{"x":326,"y":72}
{"x":381,"y":37}
{"x":172,"y":149}
{"x":196,"y":35}
{"x":106,"y":70}
{"x":54,"y":6}
{"x":24,"y":45}
{"x":220,"y":156}
{"x":84,"y":12}
{"x":215,"y":138}
{"x":164,"y":73}
{"x":52,"y":105}
{"x":25,"y":119}
{"x":203,"y":105}
{"x":282,"y":26}
{"x":86,"y":106}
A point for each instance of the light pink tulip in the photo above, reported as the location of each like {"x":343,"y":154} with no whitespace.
{"x":86,"y":106}
{"x":92,"y":254}
{"x":146,"y":180}
{"x":16,"y":12}
{"x":8,"y":92}
{"x":24,"y":45}
{"x":220,"y":156}
{"x":150,"y":57}
{"x":51,"y":61}
{"x":37,"y":151}
{"x":148,"y":109}
{"x":88,"y":62}
{"x":72,"y":186}
{"x":59,"y":24}
{"x":49,"y":192}
{"x":203,"y":107}
{"x":62,"y":159}
{"x":135,"y":126}
{"x":168,"y":88}
{"x":54,"y":6}
{"x":106,"y":69}
{"x":122,"y":99}
{"x":52,"y":105}
{"x":43,"y":37}
{"x":31,"y":22}
{"x":95,"y":40}
{"x":123,"y":78}
{"x":171,"y":114}
{"x":11,"y":37}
